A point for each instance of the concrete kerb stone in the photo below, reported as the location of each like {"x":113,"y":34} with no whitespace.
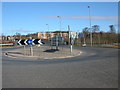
{"x":44,"y":55}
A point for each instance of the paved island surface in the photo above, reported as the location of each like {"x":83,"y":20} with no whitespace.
{"x":43,"y":52}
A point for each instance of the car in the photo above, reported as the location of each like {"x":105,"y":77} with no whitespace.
{"x":84,"y":45}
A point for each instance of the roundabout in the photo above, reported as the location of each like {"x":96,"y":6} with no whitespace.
{"x":43,"y":52}
{"x":94,"y":68}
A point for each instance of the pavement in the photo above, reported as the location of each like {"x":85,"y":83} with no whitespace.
{"x":94,"y":68}
{"x":43,"y":52}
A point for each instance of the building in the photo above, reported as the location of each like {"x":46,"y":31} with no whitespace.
{"x":43,"y":35}
{"x":6,"y":38}
{"x":49,"y":35}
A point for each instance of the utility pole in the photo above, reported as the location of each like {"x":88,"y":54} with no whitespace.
{"x":90,"y":26}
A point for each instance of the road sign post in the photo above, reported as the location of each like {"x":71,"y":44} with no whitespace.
{"x":29,"y":42}
{"x":56,"y":42}
{"x":51,"y":40}
{"x":24,"y":50}
{"x":71,"y":45}
{"x":31,"y":50}
{"x":71,"y":48}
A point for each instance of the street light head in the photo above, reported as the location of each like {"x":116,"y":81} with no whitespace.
{"x":88,"y":6}
{"x":59,"y":16}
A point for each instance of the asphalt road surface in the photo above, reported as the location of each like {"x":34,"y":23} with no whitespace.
{"x":95,"y":68}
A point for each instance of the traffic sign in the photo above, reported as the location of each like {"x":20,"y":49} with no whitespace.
{"x":29,"y":41}
{"x":37,"y":41}
{"x":21,"y":42}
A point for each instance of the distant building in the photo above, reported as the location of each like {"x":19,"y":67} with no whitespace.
{"x":42,"y":35}
{"x":49,"y":35}
{"x":0,"y":38}
{"x":10,"y":38}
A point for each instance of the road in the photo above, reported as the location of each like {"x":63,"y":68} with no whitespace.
{"x":95,"y":68}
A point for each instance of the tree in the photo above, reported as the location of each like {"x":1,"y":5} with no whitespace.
{"x":86,"y":31}
{"x":2,"y":34}
{"x":96,"y":35}
{"x":17,"y":35}
{"x":112,"y":29}
{"x":96,"y":28}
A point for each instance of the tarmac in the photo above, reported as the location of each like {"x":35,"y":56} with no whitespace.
{"x":43,"y":52}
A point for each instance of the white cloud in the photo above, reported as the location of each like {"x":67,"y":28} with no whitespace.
{"x":20,"y":30}
{"x":96,"y":18}
{"x":60,"y":0}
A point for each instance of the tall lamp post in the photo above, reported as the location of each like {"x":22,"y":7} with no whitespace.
{"x":48,"y":30}
{"x":49,"y":35}
{"x":60,"y":25}
{"x":90,"y":26}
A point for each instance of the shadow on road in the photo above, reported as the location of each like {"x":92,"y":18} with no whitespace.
{"x":51,"y":50}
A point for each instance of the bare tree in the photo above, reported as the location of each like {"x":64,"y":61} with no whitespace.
{"x":112,"y":29}
{"x":86,"y":31}
{"x":96,"y":34}
{"x":17,"y":35}
{"x":96,"y":28}
{"x":86,"y":34}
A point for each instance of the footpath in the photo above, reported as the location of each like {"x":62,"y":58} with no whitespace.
{"x":43,"y":52}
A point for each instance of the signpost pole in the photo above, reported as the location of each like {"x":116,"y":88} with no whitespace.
{"x":62,"y":43}
{"x":71,"y":48}
{"x":31,"y":49}
{"x":56,"y":42}
{"x":51,"y":43}
{"x":24,"y":50}
{"x":29,"y":42}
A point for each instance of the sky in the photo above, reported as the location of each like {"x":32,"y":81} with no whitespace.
{"x":32,"y":17}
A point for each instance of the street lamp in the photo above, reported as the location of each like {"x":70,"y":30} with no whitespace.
{"x":90,"y":26}
{"x":60,"y":25}
{"x":48,"y":30}
{"x":48,"y":26}
{"x":49,"y":35}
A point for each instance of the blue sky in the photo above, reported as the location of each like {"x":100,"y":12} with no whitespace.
{"x":32,"y":17}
